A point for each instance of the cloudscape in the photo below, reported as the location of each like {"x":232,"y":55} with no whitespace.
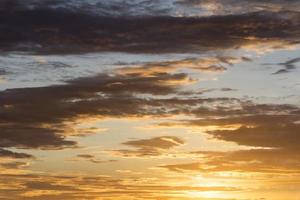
{"x":149,"y":99}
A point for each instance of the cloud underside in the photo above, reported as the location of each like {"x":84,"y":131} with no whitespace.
{"x":9,"y":154}
{"x":41,"y":118}
{"x":274,"y":140}
{"x":52,"y":31}
{"x":126,"y":8}
{"x":226,"y":7}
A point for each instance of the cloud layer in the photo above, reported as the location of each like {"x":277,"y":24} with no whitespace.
{"x":53,"y":31}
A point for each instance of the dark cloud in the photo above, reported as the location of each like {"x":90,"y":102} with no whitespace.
{"x":9,"y":154}
{"x":272,"y":129}
{"x":212,"y":64}
{"x":163,"y":142}
{"x":112,"y":8}
{"x":47,"y":31}
{"x":2,"y":72}
{"x":34,"y":117}
{"x":274,"y":126}
{"x":262,"y":125}
{"x":87,"y":156}
{"x":273,"y":135}
{"x":43,"y":117}
{"x":25,"y":136}
{"x":259,"y":119}
{"x":256,"y":160}
{"x":214,"y":7}
{"x":134,"y":8}
{"x":288,"y":66}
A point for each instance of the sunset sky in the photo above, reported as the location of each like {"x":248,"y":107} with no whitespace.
{"x":150,"y":99}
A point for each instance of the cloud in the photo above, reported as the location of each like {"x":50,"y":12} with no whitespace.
{"x":85,"y":156}
{"x":39,"y":117}
{"x":9,"y":154}
{"x":150,"y":147}
{"x":268,"y":135}
{"x":2,"y":72}
{"x":50,"y":31}
{"x":226,"y":7}
{"x":230,"y":112}
{"x":264,"y":161}
{"x":140,"y":8}
{"x":77,"y":187}
{"x":217,"y":64}
{"x":112,"y":8}
{"x":164,"y":142}
{"x":270,"y":126}
{"x":43,"y":117}
{"x":269,"y":131}
{"x":14,"y":165}
{"x":24,"y":136}
{"x":288,"y":66}
{"x":92,"y":158}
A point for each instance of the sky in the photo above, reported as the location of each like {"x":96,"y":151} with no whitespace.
{"x":149,"y":99}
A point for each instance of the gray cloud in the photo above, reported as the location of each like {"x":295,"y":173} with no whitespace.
{"x":272,"y":129}
{"x":115,"y":8}
{"x":121,"y":8}
{"x":288,"y":66}
{"x":269,"y":135}
{"x":34,"y":117}
{"x":9,"y":154}
{"x":225,"y":7}
{"x":276,"y":161}
{"x":51,"y":31}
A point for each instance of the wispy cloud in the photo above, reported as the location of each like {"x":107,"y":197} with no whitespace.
{"x":149,"y":147}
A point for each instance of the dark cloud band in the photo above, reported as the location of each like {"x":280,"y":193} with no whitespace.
{"x":59,"y":31}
